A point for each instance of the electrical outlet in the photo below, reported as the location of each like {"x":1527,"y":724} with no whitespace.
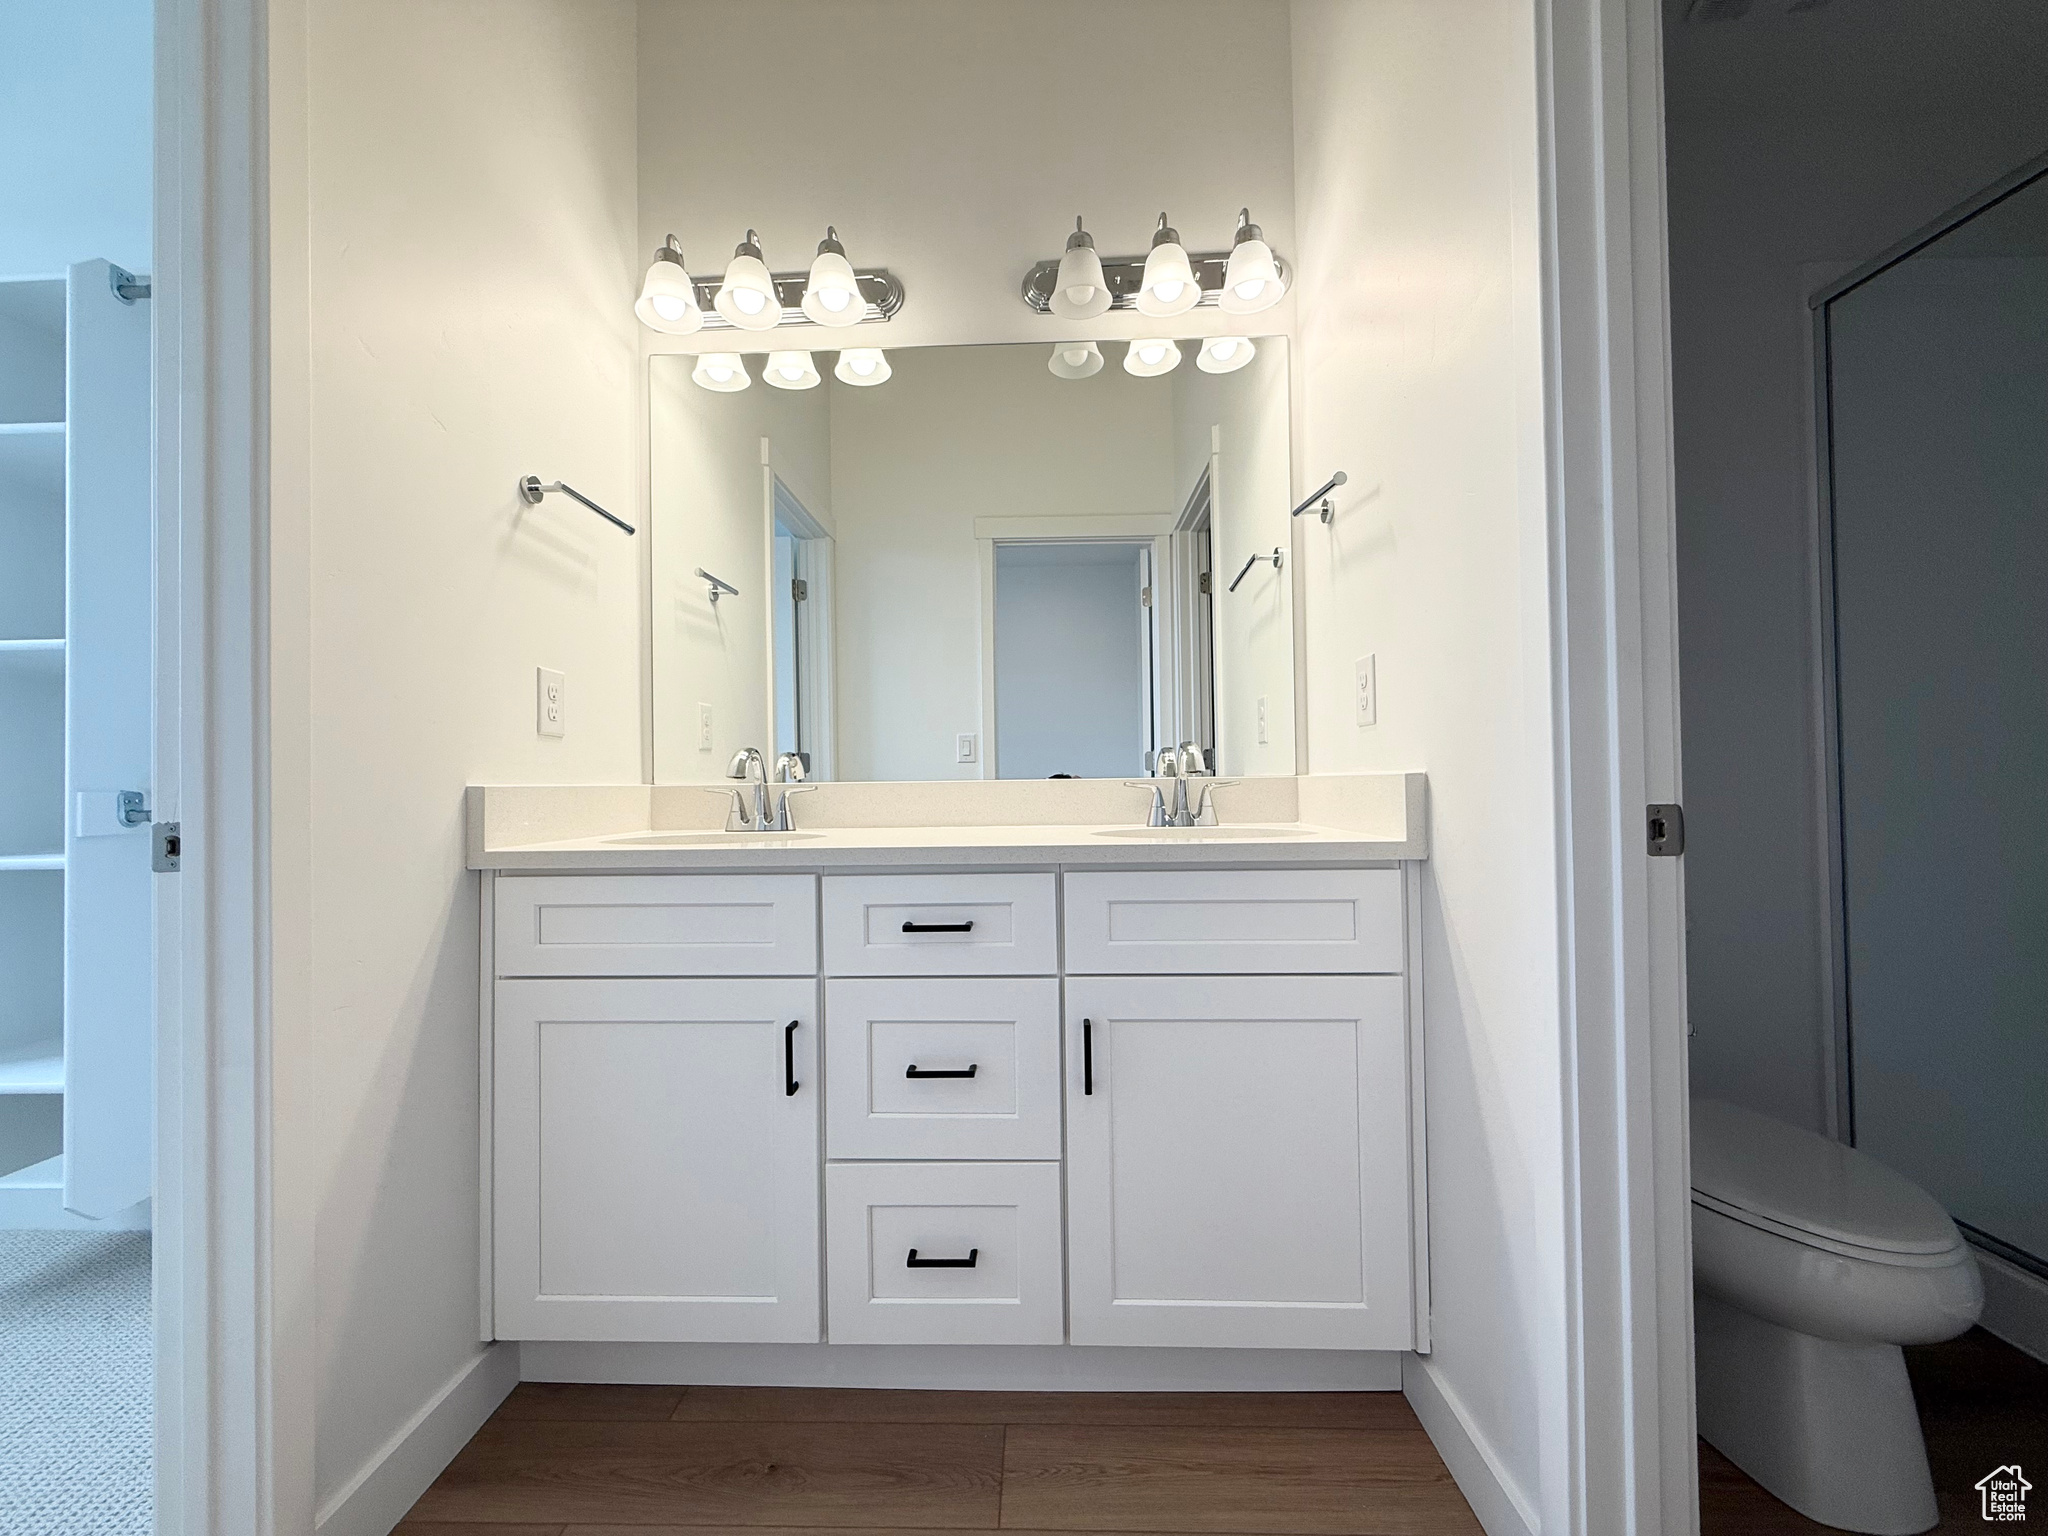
{"x":703,"y":727}
{"x":1368,"y":691}
{"x":966,"y":749}
{"x":549,"y":704}
{"x":1262,"y":720}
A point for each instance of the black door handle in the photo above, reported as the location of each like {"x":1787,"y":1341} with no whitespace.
{"x":914,"y":1070}
{"x":789,"y":1082}
{"x":1087,"y":1056}
{"x":910,"y":927}
{"x":914,"y":1262}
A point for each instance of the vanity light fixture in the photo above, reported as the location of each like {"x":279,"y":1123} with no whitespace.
{"x":668,"y":299}
{"x":1149,"y":358}
{"x":747,"y":297}
{"x":1225,"y":354}
{"x":1251,"y":280}
{"x":1080,"y":293}
{"x":833,"y":296}
{"x":725,"y":372}
{"x":1169,"y":286}
{"x":1075,"y":360}
{"x":790,"y":370}
{"x":862,"y":366}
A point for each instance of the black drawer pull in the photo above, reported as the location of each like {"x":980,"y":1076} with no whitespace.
{"x":910,"y":927}
{"x":914,"y":1070}
{"x":789,"y":1082}
{"x":914,"y":1262}
{"x":1087,"y":1056}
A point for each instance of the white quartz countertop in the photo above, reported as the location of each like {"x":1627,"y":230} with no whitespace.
{"x":1350,"y":819}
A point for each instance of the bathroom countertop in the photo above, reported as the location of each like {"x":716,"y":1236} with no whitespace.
{"x":1323,"y":820}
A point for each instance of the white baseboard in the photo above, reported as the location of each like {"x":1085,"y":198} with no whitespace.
{"x":2015,"y":1305}
{"x":962,"y":1367}
{"x":1501,"y":1504}
{"x":391,"y":1482}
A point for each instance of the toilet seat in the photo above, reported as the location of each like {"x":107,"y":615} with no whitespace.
{"x":1938,"y":1259}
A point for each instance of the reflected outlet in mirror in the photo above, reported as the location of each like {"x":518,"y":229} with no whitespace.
{"x":978,"y":568}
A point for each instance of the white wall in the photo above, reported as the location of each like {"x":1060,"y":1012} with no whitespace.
{"x":1798,"y":146}
{"x":1418,"y":348}
{"x":75,"y":120}
{"x":473,"y":257}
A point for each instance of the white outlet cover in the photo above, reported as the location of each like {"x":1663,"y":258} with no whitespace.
{"x":966,"y":750}
{"x":550,"y":703}
{"x":1368,"y":690}
{"x":703,"y":727}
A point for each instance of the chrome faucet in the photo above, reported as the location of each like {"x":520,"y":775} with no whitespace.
{"x":747,"y":766}
{"x":1187,"y":761}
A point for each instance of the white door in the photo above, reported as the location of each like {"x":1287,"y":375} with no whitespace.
{"x":108,"y":1030}
{"x":1237,"y":1162}
{"x":657,"y":1160}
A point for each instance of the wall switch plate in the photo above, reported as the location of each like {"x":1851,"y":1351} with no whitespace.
{"x":550,"y":703}
{"x":966,"y":749}
{"x":703,"y":727}
{"x":1368,"y":690}
{"x":1262,"y":721}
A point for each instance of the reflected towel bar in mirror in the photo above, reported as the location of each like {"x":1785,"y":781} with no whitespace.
{"x":1322,"y":495}
{"x":531,"y":490}
{"x":716,"y":585}
{"x":1252,"y":561}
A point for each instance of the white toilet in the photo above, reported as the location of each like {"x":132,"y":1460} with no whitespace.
{"x":1812,"y":1264}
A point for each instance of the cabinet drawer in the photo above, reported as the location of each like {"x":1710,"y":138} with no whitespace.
{"x":940,"y":925}
{"x":895,"y":1052}
{"x":943,"y":1253}
{"x":1245,"y":922}
{"x":657,"y":925}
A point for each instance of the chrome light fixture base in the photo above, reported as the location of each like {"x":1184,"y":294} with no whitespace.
{"x":1124,"y":276}
{"x":878,"y":285}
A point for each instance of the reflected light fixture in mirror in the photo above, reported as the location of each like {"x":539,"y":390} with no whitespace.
{"x":790,"y":370}
{"x":1225,"y":354}
{"x":1075,"y":360}
{"x":1149,"y":358}
{"x":725,"y":372}
{"x":747,"y":296}
{"x":832,"y":296}
{"x":861,"y":366}
{"x":1081,"y":293}
{"x":1169,"y":286}
{"x":668,"y":299}
{"x":1251,"y":278}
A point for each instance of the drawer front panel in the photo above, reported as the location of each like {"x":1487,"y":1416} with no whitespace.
{"x":1247,"y":922}
{"x":895,"y":1050}
{"x":657,"y":925}
{"x":940,"y":925}
{"x":944,"y":1253}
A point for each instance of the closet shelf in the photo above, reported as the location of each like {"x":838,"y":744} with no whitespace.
{"x":37,"y":1067}
{"x":48,"y":1174}
{"x":18,"y":861}
{"x":37,"y":655}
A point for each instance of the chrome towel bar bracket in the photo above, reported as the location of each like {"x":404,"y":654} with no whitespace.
{"x":1322,"y":495}
{"x":1253,"y":560}
{"x":531,"y":490}
{"x":716,"y":585}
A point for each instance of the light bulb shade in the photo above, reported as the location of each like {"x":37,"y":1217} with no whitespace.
{"x":1251,"y":279}
{"x":832,"y":296}
{"x":725,"y":372}
{"x":747,"y":297}
{"x":1080,"y":292}
{"x":1075,"y":360}
{"x":1168,"y":287}
{"x":790,"y":370}
{"x":1150,"y":357}
{"x":668,"y":299}
{"x":862,"y":366}
{"x":1225,"y":354}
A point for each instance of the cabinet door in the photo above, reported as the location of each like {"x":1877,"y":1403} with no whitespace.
{"x":656,"y":1177}
{"x":1237,"y":1162}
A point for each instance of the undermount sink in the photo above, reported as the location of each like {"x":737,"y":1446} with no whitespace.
{"x":707,"y":839}
{"x":1229,"y":834}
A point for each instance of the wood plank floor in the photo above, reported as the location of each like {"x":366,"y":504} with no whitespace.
{"x":644,"y":1461}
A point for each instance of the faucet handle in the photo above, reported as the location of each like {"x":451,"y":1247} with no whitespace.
{"x":1206,"y":804}
{"x":1156,"y":817}
{"x":784,"y":821}
{"x":736,"y":813}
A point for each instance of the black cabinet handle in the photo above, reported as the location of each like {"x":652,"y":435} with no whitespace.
{"x":789,"y":1081}
{"x":914,"y":1262}
{"x":910,"y":927}
{"x":1087,"y":1056}
{"x":914,"y":1070}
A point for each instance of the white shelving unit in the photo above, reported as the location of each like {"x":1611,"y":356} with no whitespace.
{"x":74,"y":1002}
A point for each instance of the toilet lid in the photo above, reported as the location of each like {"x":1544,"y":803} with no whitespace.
{"x":1750,"y":1163}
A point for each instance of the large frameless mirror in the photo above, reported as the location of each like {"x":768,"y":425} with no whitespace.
{"x":973,"y":562}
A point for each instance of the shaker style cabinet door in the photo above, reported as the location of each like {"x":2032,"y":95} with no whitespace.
{"x":657,"y":1160}
{"x":1237,"y":1162}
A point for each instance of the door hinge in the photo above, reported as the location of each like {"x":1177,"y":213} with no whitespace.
{"x":799,"y":589}
{"x":166,"y":848}
{"x":1665,"y":825}
{"x":1206,"y":589}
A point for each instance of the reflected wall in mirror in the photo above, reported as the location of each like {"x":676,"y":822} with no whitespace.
{"x":977,"y":568}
